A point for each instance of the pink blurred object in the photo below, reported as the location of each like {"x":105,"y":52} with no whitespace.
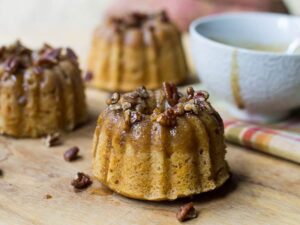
{"x":182,"y":12}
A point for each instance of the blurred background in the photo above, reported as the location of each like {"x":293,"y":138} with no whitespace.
{"x":71,"y":22}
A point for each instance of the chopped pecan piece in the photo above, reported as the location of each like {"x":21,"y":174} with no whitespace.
{"x":71,"y":55}
{"x":88,"y":76}
{"x":53,"y":139}
{"x":190,"y":92}
{"x":46,"y":46}
{"x":47,"y":196}
{"x":126,"y":105}
{"x":135,"y":117}
{"x":171,"y":93}
{"x":115,"y":20}
{"x":113,"y":99}
{"x":1,"y":173}
{"x":168,"y":118}
{"x":12,"y":64}
{"x":142,"y":92}
{"x":135,"y":19}
{"x":71,"y":154}
{"x":179,"y":109}
{"x":164,"y":17}
{"x":49,"y":57}
{"x":141,"y":107}
{"x":201,"y":95}
{"x":82,"y":181}
{"x":38,"y":70}
{"x":2,"y":50}
{"x":186,"y":212}
{"x":205,"y":106}
{"x":115,"y":107}
{"x":127,"y":115}
{"x":191,"y":107}
{"x":132,"y":117}
{"x":131,"y":97}
{"x":22,"y":100}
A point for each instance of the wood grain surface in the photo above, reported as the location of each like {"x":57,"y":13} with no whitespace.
{"x":262,"y":190}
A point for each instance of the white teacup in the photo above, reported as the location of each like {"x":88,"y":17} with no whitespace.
{"x":259,"y":85}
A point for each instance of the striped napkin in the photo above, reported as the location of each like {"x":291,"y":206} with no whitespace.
{"x":280,"y":139}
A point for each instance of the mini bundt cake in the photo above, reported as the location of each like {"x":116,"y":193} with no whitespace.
{"x":136,"y":50}
{"x":160,"y":145}
{"x":41,"y":92}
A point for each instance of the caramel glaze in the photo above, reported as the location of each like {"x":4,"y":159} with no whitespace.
{"x":137,"y":50}
{"x":235,"y":82}
{"x":150,"y":157}
{"x":41,"y":91}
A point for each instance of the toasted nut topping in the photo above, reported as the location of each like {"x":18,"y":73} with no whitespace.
{"x":201,"y":95}
{"x":168,"y":118}
{"x":50,"y":57}
{"x":171,"y":93}
{"x":132,"y":117}
{"x":38,"y":70}
{"x":164,"y":17}
{"x":82,"y":181}
{"x":163,"y":107}
{"x":127,"y":115}
{"x":190,"y":92}
{"x":141,"y":107}
{"x":53,"y":140}
{"x":135,"y":117}
{"x":71,"y":154}
{"x":115,"y":107}
{"x":88,"y":76}
{"x":126,"y":105}
{"x":191,"y":107}
{"x":179,"y":109}
{"x":71,"y":55}
{"x":113,"y":99}
{"x":186,"y":212}
{"x":142,"y":92}
{"x":47,"y":196}
{"x":12,"y":64}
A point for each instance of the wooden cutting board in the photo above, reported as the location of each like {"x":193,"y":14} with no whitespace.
{"x":262,"y":190}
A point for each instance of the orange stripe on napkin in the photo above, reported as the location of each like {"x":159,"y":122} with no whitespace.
{"x":271,"y":138}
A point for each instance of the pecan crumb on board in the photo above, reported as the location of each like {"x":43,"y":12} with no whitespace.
{"x":52,"y":140}
{"x":82,"y":181}
{"x":186,"y":212}
{"x":47,"y":196}
{"x":71,"y":154}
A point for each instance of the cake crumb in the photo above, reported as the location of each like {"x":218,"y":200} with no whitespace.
{"x":47,"y":196}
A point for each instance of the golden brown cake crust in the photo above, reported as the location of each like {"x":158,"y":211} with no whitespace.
{"x":160,"y":145}
{"x":137,"y":50}
{"x":41,"y":91}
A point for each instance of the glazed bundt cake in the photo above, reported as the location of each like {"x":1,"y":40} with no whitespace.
{"x":41,"y":91}
{"x":136,"y":50}
{"x":160,"y":145}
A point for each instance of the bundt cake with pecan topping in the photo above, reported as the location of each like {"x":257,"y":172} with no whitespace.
{"x":41,"y":91}
{"x":160,"y":145}
{"x":137,"y":50}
